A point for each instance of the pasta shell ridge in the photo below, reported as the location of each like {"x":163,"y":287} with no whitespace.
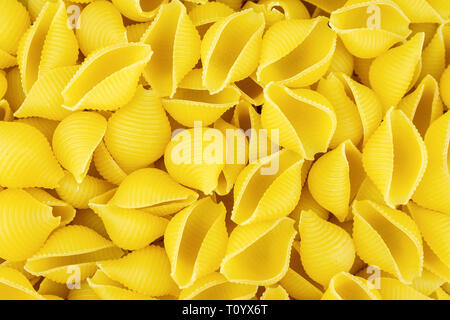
{"x":345,"y":286}
{"x":107,"y":166}
{"x":275,"y":293}
{"x":15,"y":286}
{"x":137,"y":10}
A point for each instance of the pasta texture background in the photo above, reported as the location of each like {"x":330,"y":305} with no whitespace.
{"x":224,"y":150}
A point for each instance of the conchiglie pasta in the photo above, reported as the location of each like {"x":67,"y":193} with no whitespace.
{"x":434,"y":264}
{"x":259,"y":253}
{"x":388,"y":238}
{"x":297,"y":114}
{"x":392,"y":289}
{"x":14,"y":94}
{"x":71,"y":247}
{"x":26,"y":159}
{"x":325,"y":248}
{"x":176,"y":46}
{"x":48,"y":44}
{"x":138,"y":10}
{"x":3,"y":84}
{"x":435,"y":55}
{"x":192,"y":102}
{"x":327,"y":5}
{"x":335,"y":178}
{"x":94,"y":84}
{"x":154,"y":191}
{"x":45,"y":126}
{"x":88,"y":218}
{"x":5,"y":111}
{"x":342,"y":60}
{"x":85,"y":292}
{"x":344,"y":286}
{"x":49,"y":287}
{"x":100,"y":25}
{"x":291,"y":55}
{"x":135,"y":31}
{"x":251,"y":90}
{"x":423,"y":11}
{"x":145,"y":271}
{"x":230,"y":49}
{"x":15,"y":286}
{"x":195,"y":241}
{"x":275,"y":293}
{"x":204,"y":15}
{"x":395,"y":158}
{"x":138,"y":133}
{"x":107,"y":166}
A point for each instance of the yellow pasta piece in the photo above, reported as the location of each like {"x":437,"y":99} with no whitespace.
{"x":94,"y":84}
{"x":335,"y":178}
{"x":48,"y":44}
{"x":435,"y":53}
{"x":176,"y":46}
{"x":395,"y":158}
{"x":204,"y":15}
{"x":358,"y":110}
{"x":216,"y":287}
{"x":192,"y":101}
{"x":137,"y":134}
{"x":19,"y":266}
{"x":432,"y":191}
{"x":422,"y":11}
{"x":79,"y":194}
{"x":85,"y":292}
{"x":234,"y":4}
{"x":107,"y":166}
{"x":49,"y":287}
{"x":71,"y":250}
{"x":344,"y":286}
{"x":291,"y":55}
{"x":14,"y":94}
{"x":392,"y":289}
{"x":45,"y":126}
{"x":304,"y":118}
{"x":393,"y":72}
{"x":251,"y":90}
{"x":275,"y":293}
{"x":342,"y":60}
{"x":107,"y":289}
{"x":306,"y":203}
{"x":440,"y":294}
{"x":44,"y":99}
{"x":154,"y":191}
{"x":388,"y":238}
{"x":15,"y":286}
{"x":26,"y":159}
{"x":230,"y":49}
{"x":423,"y":105}
{"x":435,"y":229}
{"x":5,"y":111}
{"x":100,"y":26}
{"x":362,"y":69}
{"x":138,"y":10}
{"x":325,"y":248}
{"x":88,"y":218}
{"x":444,"y":85}
{"x":135,"y":31}
{"x":75,"y":140}
{"x":195,"y":241}
{"x":369,"y":28}
{"x":262,"y":194}
{"x":15,"y":22}
{"x":434,"y":264}
{"x":327,"y":5}
{"x":26,"y":224}
{"x":427,"y":283}
{"x":368,"y":191}
{"x":259,"y":253}
{"x":3,"y":84}
{"x":145,"y":271}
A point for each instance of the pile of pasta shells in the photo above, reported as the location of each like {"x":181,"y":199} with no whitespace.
{"x":347,"y":100}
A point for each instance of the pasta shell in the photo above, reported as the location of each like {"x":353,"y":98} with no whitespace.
{"x":435,"y":229}
{"x":44,"y":98}
{"x":344,"y":286}
{"x":107,"y":166}
{"x":79,"y":194}
{"x":362,"y":69}
{"x":75,"y":140}
{"x":176,"y":45}
{"x":392,"y":73}
{"x":15,"y":22}
{"x":259,"y":253}
{"x":138,"y":10}
{"x":195,"y":241}
{"x":45,"y":126}
{"x":15,"y":286}
{"x":204,"y":15}
{"x":363,"y":27}
{"x":107,"y":289}
{"x":432,"y":191}
{"x":275,"y":293}
{"x":369,"y":191}
{"x":216,"y":287}
{"x":26,"y":224}
{"x":94,"y":85}
{"x":26,"y":159}
{"x":335,"y":178}
{"x":395,"y":158}
{"x":422,"y":11}
{"x":358,"y":110}
{"x":48,"y":44}
{"x":234,"y":4}
{"x":307,"y":202}
{"x":145,"y":271}
{"x":427,"y":283}
{"x":342,"y":60}
{"x":325,"y":248}
{"x":59,"y":208}
{"x":87,"y":218}
{"x":154,"y":191}
{"x":138,"y":133}
{"x":19,"y":266}
{"x":3,"y":84}
{"x":84,"y":293}
{"x":327,"y":5}
{"x":291,"y":55}
{"x":5,"y":111}
{"x":192,"y":102}
{"x":135,"y":31}
{"x":434,"y":264}
{"x":196,"y":158}
{"x":392,"y":289}
{"x":388,"y":238}
{"x":251,"y":90}
{"x":444,"y":85}
{"x":268,"y":189}
{"x":435,"y":54}
{"x":49,"y":287}
{"x":440,"y":294}
{"x":423,"y":105}
{"x":129,"y":229}
{"x":7,"y":60}
{"x":14,"y":94}
{"x":230,"y":49}
{"x":298,"y":115}
{"x":100,"y":26}
{"x":71,"y":247}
